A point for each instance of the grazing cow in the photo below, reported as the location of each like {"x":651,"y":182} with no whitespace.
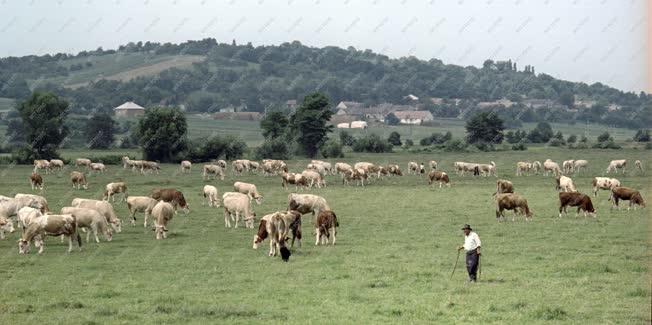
{"x":614,"y":165}
{"x":604,"y":183}
{"x":186,"y":166}
{"x":78,"y":180}
{"x":172,"y":196}
{"x":56,"y":164}
{"x":253,"y":166}
{"x":639,"y":165}
{"x":143,"y":204}
{"x":580,"y":164}
{"x":412,"y":167}
{"x":290,"y":178}
{"x":369,"y":168}
{"x":327,"y":166}
{"x":275,"y":227}
{"x":551,"y":166}
{"x":394,"y":170}
{"x":133,"y":164}
{"x":90,"y":219}
{"x":359,"y":175}
{"x":536,"y":166}
{"x":114,"y":188}
{"x":162,"y":213}
{"x":575,"y":199}
{"x":462,"y":167}
{"x":42,"y":164}
{"x":98,"y":167}
{"x":504,"y":186}
{"x":433,"y":164}
{"x":626,"y":194}
{"x":565,"y":184}
{"x":221,"y":163}
{"x":341,"y":167}
{"x":10,"y":207}
{"x":150,"y":166}
{"x":6,"y":225}
{"x":237,"y":204}
{"x":326,"y":225}
{"x":103,"y":207}
{"x":438,"y":176}
{"x":318,"y":168}
{"x":248,"y":189}
{"x":239,"y":166}
{"x":211,"y":196}
{"x":26,"y":215}
{"x":312,"y":177}
{"x":523,"y":167}
{"x":293,"y":220}
{"x":273,"y":167}
{"x":268,"y":168}
{"x":305,"y":203}
{"x":568,"y":166}
{"x":214,"y":170}
{"x":488,"y":169}
{"x":82,"y":162}
{"x":511,"y":201}
{"x":36,"y":181}
{"x":35,"y":201}
{"x":51,"y":225}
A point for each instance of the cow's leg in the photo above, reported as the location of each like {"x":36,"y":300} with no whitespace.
{"x":560,"y":209}
{"x":69,"y":244}
{"x":333,"y":232}
{"x":227,"y":223}
{"x":237,"y":218}
{"x":271,"y":247}
{"x":316,"y":236}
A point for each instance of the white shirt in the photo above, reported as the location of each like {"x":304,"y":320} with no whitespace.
{"x":471,"y":242}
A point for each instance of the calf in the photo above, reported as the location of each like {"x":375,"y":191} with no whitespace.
{"x":575,"y":199}
{"x":313,"y":178}
{"x":41,"y":164}
{"x":325,"y":225}
{"x":51,"y":225}
{"x":438,"y":176}
{"x":114,"y":188}
{"x":36,"y":181}
{"x":143,"y":204}
{"x":511,"y":201}
{"x":90,"y":219}
{"x":551,"y":166}
{"x":626,"y":194}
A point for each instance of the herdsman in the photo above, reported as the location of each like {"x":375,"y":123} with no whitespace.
{"x":472,"y":248}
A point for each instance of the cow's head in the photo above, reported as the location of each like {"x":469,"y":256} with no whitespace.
{"x":261,"y":235}
{"x":108,"y":235}
{"x":7,"y":225}
{"x":259,"y":199}
{"x":285,"y":254}
{"x":23,"y":246}
{"x":117,"y":225}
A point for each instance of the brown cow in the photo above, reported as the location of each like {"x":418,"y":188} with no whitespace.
{"x":626,"y":194}
{"x":36,"y":181}
{"x":575,"y":199}
{"x":511,"y":201}
{"x":171,"y":195}
{"x":439,"y":176}
{"x":325,"y":226}
{"x":504,"y":186}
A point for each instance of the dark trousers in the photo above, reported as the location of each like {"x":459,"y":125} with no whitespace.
{"x":472,"y":261}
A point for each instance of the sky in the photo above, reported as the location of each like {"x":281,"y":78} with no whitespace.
{"x":578,"y":40}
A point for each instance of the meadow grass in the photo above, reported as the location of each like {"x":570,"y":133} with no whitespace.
{"x":392,"y":262}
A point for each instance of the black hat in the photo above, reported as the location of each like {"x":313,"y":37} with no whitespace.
{"x":467,"y":227}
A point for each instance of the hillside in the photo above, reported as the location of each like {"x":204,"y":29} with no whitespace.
{"x":205,"y":76}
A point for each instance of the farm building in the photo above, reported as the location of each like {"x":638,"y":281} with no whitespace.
{"x":359,"y":125}
{"x":413,"y":117}
{"x":129,"y":109}
{"x":343,"y":126}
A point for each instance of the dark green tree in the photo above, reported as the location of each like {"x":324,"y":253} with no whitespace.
{"x":274,"y":125}
{"x":642,"y":136}
{"x":484,"y":127}
{"x":391,"y":119}
{"x":162,"y":133}
{"x":346,"y":139}
{"x":309,"y":123}
{"x":394,"y":138}
{"x":571,"y":138}
{"x":99,"y":131}
{"x":43,"y":116}
{"x":604,"y":137}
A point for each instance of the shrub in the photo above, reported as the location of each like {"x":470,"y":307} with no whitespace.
{"x":273,"y":149}
{"x":109,"y":159}
{"x":606,"y":145}
{"x":455,"y":145}
{"x":408,"y":143}
{"x":205,"y":149}
{"x":372,"y":143}
{"x":332,"y":149}
{"x":436,"y":138}
{"x":555,"y":142}
{"x":394,"y":138}
{"x":519,"y":146}
{"x":604,"y":137}
{"x":485,"y":146}
{"x":571,"y":138}
{"x":346,"y":138}
{"x":642,"y":136}
{"x":648,"y":146}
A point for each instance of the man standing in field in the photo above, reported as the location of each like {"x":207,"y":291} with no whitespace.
{"x":472,"y":248}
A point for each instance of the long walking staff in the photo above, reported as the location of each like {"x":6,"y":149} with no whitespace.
{"x":455,"y":267}
{"x":479,"y":267}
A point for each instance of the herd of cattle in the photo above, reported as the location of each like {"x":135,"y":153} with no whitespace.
{"x":98,"y":216}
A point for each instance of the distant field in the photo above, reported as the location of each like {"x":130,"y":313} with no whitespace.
{"x":122,"y":66}
{"x":392,"y":263}
{"x":205,"y":125}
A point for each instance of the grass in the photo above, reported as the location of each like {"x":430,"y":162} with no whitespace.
{"x":395,"y":251}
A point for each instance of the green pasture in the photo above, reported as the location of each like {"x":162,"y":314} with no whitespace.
{"x":392,"y":262}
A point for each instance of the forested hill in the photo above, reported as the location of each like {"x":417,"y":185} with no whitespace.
{"x":217,"y":75}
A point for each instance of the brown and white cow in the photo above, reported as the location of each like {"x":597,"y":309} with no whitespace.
{"x":626,"y":194}
{"x":523,"y":167}
{"x":615,"y":165}
{"x":313,"y":178}
{"x":326,"y":227}
{"x":576,"y":199}
{"x":275,"y":227}
{"x":172,"y":196}
{"x":56,"y":164}
{"x":536,"y":166}
{"x":112,"y":189}
{"x":50,"y":225}
{"x":78,"y":180}
{"x":438,"y":176}
{"x":6,"y":224}
{"x":550,"y":166}
{"x":511,"y":201}
{"x":305,"y":203}
{"x":98,"y":167}
{"x":416,"y":168}
{"x":290,"y":178}
{"x":41,"y":164}
{"x":580,"y":164}
{"x":565,"y":184}
{"x":358,"y":175}
{"x":568,"y":166}
{"x":604,"y":183}
{"x":341,"y":167}
{"x":36,"y":181}
{"x":394,"y":169}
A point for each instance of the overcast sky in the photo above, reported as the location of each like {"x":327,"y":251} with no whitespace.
{"x":579,"y":40}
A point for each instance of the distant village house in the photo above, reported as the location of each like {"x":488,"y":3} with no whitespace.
{"x":129,"y":109}
{"x":413,"y":117}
